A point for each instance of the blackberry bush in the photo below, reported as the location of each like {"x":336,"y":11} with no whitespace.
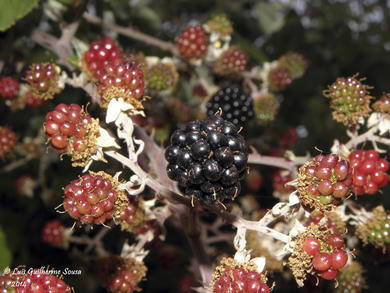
{"x":236,"y":105}
{"x":208,"y":159}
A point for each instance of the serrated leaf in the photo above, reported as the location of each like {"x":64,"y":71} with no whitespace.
{"x":12,"y":10}
{"x":270,"y":19}
{"x":5,"y":253}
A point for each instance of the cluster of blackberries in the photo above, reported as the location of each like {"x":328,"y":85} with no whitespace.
{"x":208,"y":159}
{"x":236,"y":105}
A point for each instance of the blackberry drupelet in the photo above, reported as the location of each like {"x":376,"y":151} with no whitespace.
{"x":208,"y":159}
{"x":236,"y":105}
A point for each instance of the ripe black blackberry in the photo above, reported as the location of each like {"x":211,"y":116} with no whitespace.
{"x":236,"y":105}
{"x":208,"y":159}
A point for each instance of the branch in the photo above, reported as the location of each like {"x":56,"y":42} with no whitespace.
{"x":256,"y":158}
{"x":367,"y":136}
{"x":60,"y":46}
{"x":162,"y":190}
{"x":134,"y":34}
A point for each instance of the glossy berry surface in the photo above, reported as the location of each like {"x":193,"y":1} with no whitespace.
{"x":236,"y":105}
{"x":240,"y":281}
{"x":9,"y":87}
{"x":100,"y":53}
{"x":41,"y":76}
{"x":369,"y":171}
{"x":67,"y":124}
{"x":52,"y":233}
{"x":39,"y":281}
{"x":311,"y":246}
{"x":90,"y":199}
{"x":192,"y":42}
{"x":124,"y":74}
{"x":231,"y":61}
{"x":328,"y":178}
{"x":208,"y":159}
{"x":7,"y":141}
{"x":322,"y":261}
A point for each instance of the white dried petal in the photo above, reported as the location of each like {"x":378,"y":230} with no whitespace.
{"x":106,"y":140}
{"x":293,"y":199}
{"x":260,"y":263}
{"x":374,"y":119}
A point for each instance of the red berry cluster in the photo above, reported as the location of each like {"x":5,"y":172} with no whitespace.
{"x":101,"y":53}
{"x":65,"y":125}
{"x":90,"y":199}
{"x":9,"y":87}
{"x":120,"y":275}
{"x":52,"y":233}
{"x":33,"y":101}
{"x":39,"y":281}
{"x":125,"y":281}
{"x":124,"y":74}
{"x":231,"y":61}
{"x":327,"y":178}
{"x":193,"y":42}
{"x":279,"y":78}
{"x":239,"y":280}
{"x":7,"y":141}
{"x":369,"y":171}
{"x":328,"y":257}
{"x":43,"y":79}
{"x":279,"y":182}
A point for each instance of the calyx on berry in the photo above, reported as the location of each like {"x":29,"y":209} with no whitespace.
{"x":72,"y":131}
{"x":317,"y":251}
{"x":121,"y":78}
{"x":120,"y":275}
{"x":231,"y":276}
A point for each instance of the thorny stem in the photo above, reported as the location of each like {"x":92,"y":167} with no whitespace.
{"x":15,"y":164}
{"x":96,"y":241}
{"x":256,"y":158}
{"x":145,"y":177}
{"x":367,"y":136}
{"x":60,"y":46}
{"x":132,"y":33}
{"x":255,"y":226}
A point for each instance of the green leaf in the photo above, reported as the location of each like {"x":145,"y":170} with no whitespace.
{"x":12,"y":10}
{"x":5,"y":253}
{"x":270,"y":18}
